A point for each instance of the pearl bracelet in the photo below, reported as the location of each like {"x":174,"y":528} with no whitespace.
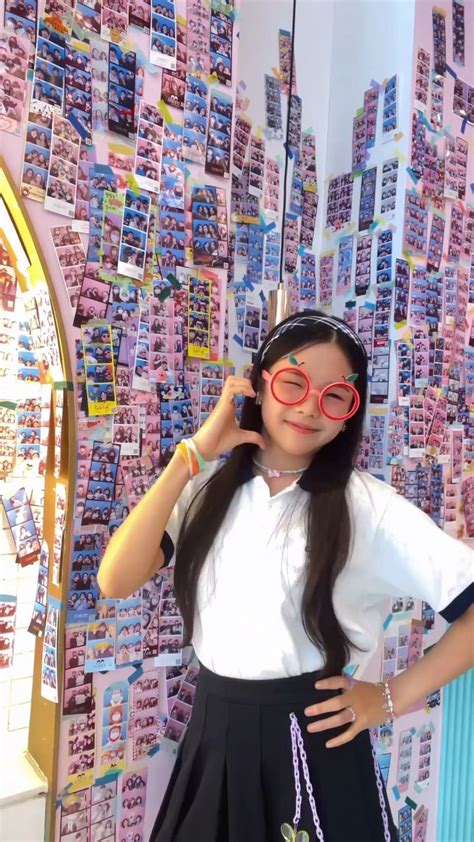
{"x":388,"y":702}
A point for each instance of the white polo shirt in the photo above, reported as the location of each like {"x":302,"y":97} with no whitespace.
{"x":248,"y":618}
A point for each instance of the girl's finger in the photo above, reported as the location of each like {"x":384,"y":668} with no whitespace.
{"x":238,"y":381}
{"x":335,"y":682}
{"x":233,"y":392}
{"x":241,"y":387}
{"x":336,"y":721}
{"x":334,"y":703}
{"x":344,"y":738}
{"x":249,"y":437}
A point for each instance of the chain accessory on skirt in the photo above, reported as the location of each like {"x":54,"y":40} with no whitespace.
{"x":289,"y":833}
{"x":378,"y":778}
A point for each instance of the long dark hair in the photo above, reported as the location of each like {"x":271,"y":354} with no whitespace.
{"x":328,"y":520}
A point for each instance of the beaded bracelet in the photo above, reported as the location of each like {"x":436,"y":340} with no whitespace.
{"x":191,"y":456}
{"x":388,"y":702}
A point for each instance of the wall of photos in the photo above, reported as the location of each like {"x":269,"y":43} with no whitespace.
{"x":149,"y":145}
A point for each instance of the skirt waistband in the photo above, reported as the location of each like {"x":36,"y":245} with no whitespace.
{"x":266,"y":691}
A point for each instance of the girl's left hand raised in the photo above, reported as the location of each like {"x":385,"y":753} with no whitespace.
{"x":365,"y":699}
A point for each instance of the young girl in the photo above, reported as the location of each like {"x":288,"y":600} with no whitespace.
{"x":285,"y":555}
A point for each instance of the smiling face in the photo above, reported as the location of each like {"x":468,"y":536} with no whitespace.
{"x":301,"y":430}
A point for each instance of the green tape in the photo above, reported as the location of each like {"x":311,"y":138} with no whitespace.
{"x":68,"y":385}
{"x":411,"y":803}
{"x":173,"y":281}
{"x":8,"y":404}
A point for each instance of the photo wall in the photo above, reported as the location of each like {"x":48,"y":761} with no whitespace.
{"x":35,"y":404}
{"x":396,"y":260}
{"x":149,"y":146}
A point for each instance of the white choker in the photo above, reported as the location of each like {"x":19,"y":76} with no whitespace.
{"x":273,"y":473}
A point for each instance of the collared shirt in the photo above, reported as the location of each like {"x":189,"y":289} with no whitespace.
{"x":247,"y":620}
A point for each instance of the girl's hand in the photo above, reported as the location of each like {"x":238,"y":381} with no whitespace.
{"x":220,"y":432}
{"x":365,"y":699}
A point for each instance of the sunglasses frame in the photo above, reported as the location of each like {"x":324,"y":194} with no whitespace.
{"x":270,"y":378}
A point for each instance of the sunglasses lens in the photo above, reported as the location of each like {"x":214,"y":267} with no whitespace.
{"x":338,"y":401}
{"x":290,"y":386}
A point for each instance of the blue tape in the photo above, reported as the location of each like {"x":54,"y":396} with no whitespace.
{"x":424,"y":119}
{"x":154,"y":750}
{"x":135,"y":675}
{"x":414,"y":177}
{"x":238,"y":339}
{"x":387,"y":621}
{"x":396,"y":793}
{"x":108,"y":778}
{"x":103,"y":169}
{"x":451,"y":71}
{"x":262,"y":295}
{"x":59,"y":799}
{"x":288,"y":149}
{"x":141,"y":58}
{"x":463,"y":125}
{"x":80,"y":129}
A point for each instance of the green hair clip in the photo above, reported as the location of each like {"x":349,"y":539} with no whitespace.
{"x":351,"y":379}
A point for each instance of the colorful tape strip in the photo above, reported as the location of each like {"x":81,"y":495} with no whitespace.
{"x":135,"y":675}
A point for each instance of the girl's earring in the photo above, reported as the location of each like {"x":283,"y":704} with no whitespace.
{"x":344,"y":428}
{"x":258,"y":399}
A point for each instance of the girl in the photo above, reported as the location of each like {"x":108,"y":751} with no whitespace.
{"x":285,"y":555}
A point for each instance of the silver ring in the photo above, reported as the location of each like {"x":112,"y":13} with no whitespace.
{"x":353,"y":714}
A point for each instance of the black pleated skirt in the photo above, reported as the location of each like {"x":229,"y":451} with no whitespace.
{"x":234,"y":778}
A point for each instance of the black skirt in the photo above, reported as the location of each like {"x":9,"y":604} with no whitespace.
{"x":234,"y":777}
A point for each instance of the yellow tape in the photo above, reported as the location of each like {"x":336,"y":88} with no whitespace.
{"x":132,"y":183}
{"x":164,"y":110}
{"x":121,"y":149}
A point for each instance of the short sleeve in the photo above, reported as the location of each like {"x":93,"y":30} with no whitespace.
{"x":414,"y":557}
{"x":175,"y":522}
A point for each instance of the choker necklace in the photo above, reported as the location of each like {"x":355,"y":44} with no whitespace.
{"x":273,"y":473}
